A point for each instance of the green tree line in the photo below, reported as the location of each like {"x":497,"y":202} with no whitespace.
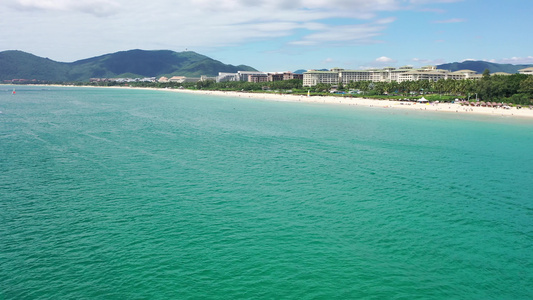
{"x":293,"y":84}
{"x":281,"y":86}
{"x":516,"y":88}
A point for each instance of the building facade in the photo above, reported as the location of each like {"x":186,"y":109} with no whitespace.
{"x":337,"y":76}
{"x":526,"y":71}
{"x":183,"y":79}
{"x":257,"y":76}
{"x":312,"y":78}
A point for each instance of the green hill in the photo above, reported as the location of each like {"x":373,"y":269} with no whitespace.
{"x":21,"y":65}
{"x":480,"y":66}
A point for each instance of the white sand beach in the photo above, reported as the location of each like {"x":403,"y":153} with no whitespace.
{"x":524,"y":112}
{"x":384,"y":104}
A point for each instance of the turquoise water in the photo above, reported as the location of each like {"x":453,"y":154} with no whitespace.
{"x":133,"y":194}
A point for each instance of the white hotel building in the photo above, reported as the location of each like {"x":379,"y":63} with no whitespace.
{"x":336,"y":76}
{"x":526,"y":71}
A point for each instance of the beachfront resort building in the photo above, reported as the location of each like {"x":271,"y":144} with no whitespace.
{"x":123,"y":80}
{"x":182,"y":79}
{"x":251,"y":76}
{"x":280,"y":76}
{"x":336,"y":76}
{"x":526,"y":71}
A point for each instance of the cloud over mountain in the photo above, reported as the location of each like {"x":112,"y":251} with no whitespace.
{"x":296,"y":32}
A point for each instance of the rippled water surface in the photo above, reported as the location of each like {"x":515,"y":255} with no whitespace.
{"x":130,"y":194}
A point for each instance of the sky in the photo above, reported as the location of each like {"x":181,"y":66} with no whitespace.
{"x":277,"y":35}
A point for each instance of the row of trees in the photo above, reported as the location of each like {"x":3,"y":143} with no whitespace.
{"x":293,"y":84}
{"x":516,"y":88}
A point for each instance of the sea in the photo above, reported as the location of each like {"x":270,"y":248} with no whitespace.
{"x":150,"y":194}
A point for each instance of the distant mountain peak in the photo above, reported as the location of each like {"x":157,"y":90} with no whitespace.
{"x":147,"y":63}
{"x":479,"y":66}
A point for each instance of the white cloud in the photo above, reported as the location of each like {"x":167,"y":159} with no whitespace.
{"x":385,"y":59}
{"x":424,"y":61}
{"x":449,"y":21}
{"x":434,"y":10}
{"x":331,"y":5}
{"x":516,"y":60}
{"x":433,"y":1}
{"x":343,"y":34}
{"x":68,"y":27}
{"x":94,"y":7}
{"x":379,"y":62}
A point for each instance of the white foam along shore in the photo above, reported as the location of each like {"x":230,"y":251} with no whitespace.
{"x":385,"y":104}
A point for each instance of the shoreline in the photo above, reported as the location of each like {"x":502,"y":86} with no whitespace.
{"x":332,"y":100}
{"x":384,"y":104}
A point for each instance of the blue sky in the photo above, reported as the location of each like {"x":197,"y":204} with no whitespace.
{"x":277,"y":35}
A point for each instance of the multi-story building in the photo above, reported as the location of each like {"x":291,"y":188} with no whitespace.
{"x":257,"y":76}
{"x":275,"y":76}
{"x":463,"y":74}
{"x":426,"y":73}
{"x":183,"y":79}
{"x":239,"y":76}
{"x":526,"y":71}
{"x":312,"y":78}
{"x":205,"y":77}
{"x":223,"y":77}
{"x":336,"y":76}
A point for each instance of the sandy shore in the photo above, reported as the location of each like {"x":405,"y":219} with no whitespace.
{"x":385,"y":104}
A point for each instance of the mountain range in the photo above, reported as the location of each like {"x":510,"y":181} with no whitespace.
{"x":16,"y":64}
{"x":133,"y":63}
{"x":481,"y":66}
